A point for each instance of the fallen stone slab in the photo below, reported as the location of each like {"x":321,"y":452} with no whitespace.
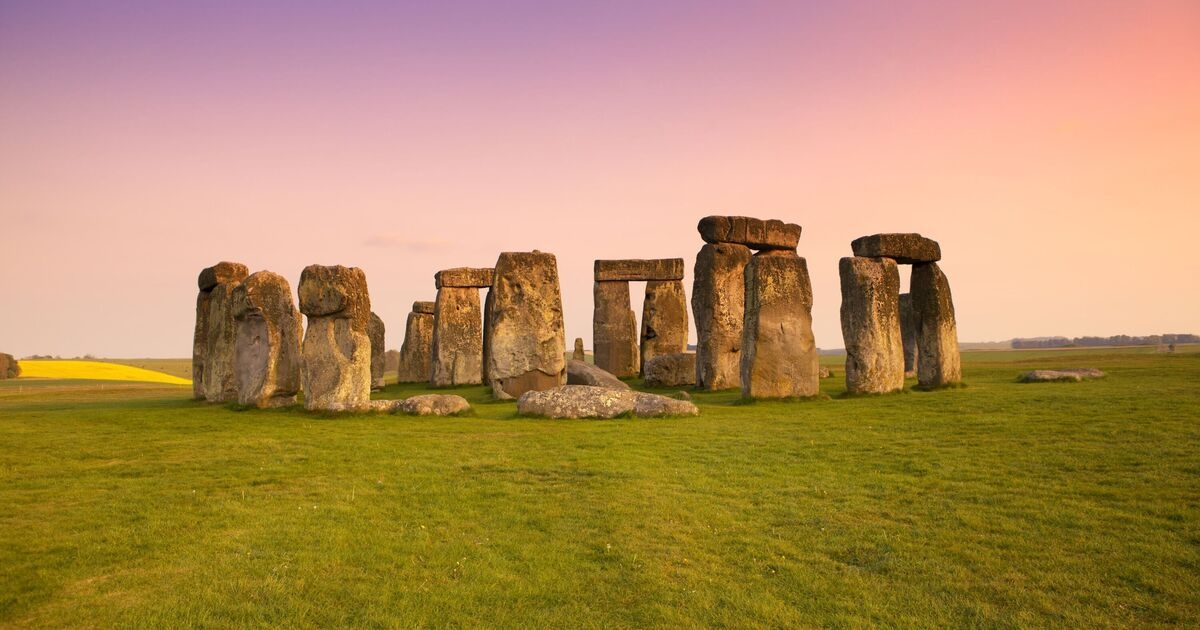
{"x":582,"y":373}
{"x":671,"y":370}
{"x":464,"y":278}
{"x":583,"y":401}
{"x":906,"y":249}
{"x":434,"y":405}
{"x":639,"y":270}
{"x":1067,"y":374}
{"x":753,"y":233}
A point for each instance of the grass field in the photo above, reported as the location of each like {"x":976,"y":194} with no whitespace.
{"x":996,"y":505}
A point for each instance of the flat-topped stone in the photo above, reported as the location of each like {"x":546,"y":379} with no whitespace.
{"x":464,"y":277}
{"x":906,"y":249}
{"x":335,"y":290}
{"x":751,"y":232}
{"x":223,"y":271}
{"x":1063,"y":374}
{"x":425,"y":308}
{"x":639,"y":270}
{"x":585,"y":401}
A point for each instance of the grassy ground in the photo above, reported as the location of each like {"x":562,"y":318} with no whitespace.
{"x":1000,"y":504}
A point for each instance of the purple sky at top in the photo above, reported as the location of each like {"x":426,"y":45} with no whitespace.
{"x":1052,"y":148}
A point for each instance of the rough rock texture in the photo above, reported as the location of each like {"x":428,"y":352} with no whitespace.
{"x":9,"y":367}
{"x":905,"y":249}
{"x":871,"y":325}
{"x":416,"y":354}
{"x":825,"y":372}
{"x":486,"y":360}
{"x":424,"y":308}
{"x":614,"y":330}
{"x":376,"y":331}
{"x":578,"y":354}
{"x":638,"y":269}
{"x":671,"y":370}
{"x":779,"y":355}
{"x":267,"y":347}
{"x":583,"y":401}
{"x":457,"y":346}
{"x":664,"y":320}
{"x":937,"y":332}
{"x":209,"y":278}
{"x":464,"y":278}
{"x":525,"y":336}
{"x":434,"y":405}
{"x":337,"y":347}
{"x":220,"y":378}
{"x":581,"y":373}
{"x":908,"y":334}
{"x":753,"y":233}
{"x":1065,"y":374}
{"x":718,"y":304}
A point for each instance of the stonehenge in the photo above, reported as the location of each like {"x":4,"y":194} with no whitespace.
{"x":671,"y":370}
{"x":376,"y":331}
{"x":416,"y":355}
{"x":267,"y":347}
{"x":614,"y":329}
{"x":578,"y":354}
{"x":718,"y":305}
{"x":457,"y":348}
{"x":215,"y":333}
{"x":337,"y":345}
{"x":617,"y":347}
{"x":887,"y":334}
{"x":524,"y":340}
{"x":9,"y":367}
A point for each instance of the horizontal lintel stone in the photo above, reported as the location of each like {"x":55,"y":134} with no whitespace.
{"x":906,"y":249}
{"x":466,"y":277}
{"x":751,"y":232}
{"x":637,"y":270}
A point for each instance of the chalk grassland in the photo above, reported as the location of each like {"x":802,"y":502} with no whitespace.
{"x":996,"y":505}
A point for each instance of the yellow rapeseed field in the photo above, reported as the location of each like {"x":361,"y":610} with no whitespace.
{"x":95,"y":370}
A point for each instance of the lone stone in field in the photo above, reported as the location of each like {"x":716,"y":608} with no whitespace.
{"x":458,"y":326}
{"x":779,"y":355}
{"x":417,"y":352}
{"x":337,"y":346}
{"x":376,"y":331}
{"x":871,"y":325}
{"x":718,"y":304}
{"x":908,"y":333}
{"x":267,"y":348}
{"x":614,"y":330}
{"x":578,"y":354}
{"x":9,"y":367}
{"x":213,"y":339}
{"x":664,"y":319}
{"x":937,"y":332}
{"x":525,"y":337}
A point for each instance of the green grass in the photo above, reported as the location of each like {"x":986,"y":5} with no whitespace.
{"x":998,"y":505}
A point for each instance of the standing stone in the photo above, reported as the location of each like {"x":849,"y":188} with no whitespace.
{"x":614,"y":330}
{"x":9,"y":367}
{"x":337,"y":346}
{"x":871,"y":325}
{"x":220,"y":377}
{"x":376,"y":331}
{"x":267,"y":348}
{"x":908,"y":334}
{"x":718,"y":304}
{"x":937,"y":332}
{"x":208,"y":279}
{"x":457,"y":338}
{"x":416,"y":355}
{"x":578,"y":354}
{"x":779,"y":355}
{"x":525,"y":337}
{"x":486,"y":361}
{"x":664,"y":319}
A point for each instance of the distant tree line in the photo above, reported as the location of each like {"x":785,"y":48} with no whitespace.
{"x":1115,"y":340}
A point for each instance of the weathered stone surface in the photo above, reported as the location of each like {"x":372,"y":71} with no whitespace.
{"x":464,"y":278}
{"x":718,"y":304}
{"x":434,"y":405}
{"x":486,"y":361}
{"x":457,"y":338}
{"x":384,"y":406}
{"x":937,"y":333}
{"x":753,"y":233}
{"x":871,"y":325}
{"x":525,"y":335}
{"x":582,"y":373}
{"x":578,"y":354}
{"x":825,"y":372}
{"x":905,"y":249}
{"x":639,"y":270}
{"x":1064,"y":374}
{"x":425,"y":308}
{"x":664,"y":320}
{"x":779,"y":355}
{"x":220,"y":378}
{"x":337,"y":346}
{"x":224,"y":271}
{"x":416,"y":355}
{"x":614,"y":330}
{"x":583,"y":401}
{"x":9,"y":366}
{"x":376,"y":331}
{"x":908,"y":334}
{"x":267,"y":345}
{"x":671,"y":370}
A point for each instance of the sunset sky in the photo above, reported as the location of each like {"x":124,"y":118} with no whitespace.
{"x":1052,"y":148}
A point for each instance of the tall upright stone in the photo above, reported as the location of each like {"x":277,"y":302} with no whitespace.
{"x":416,"y":355}
{"x":376,"y":331}
{"x":208,"y":280}
{"x":267,"y":347}
{"x":458,"y":326}
{"x":220,"y":377}
{"x":718,"y":305}
{"x":614,"y":330}
{"x":525,"y":336}
{"x":908,"y":334}
{"x":578,"y":354}
{"x":664,"y":319}
{"x":9,"y":366}
{"x":871,"y":325}
{"x":937,"y":333}
{"x":337,"y":345}
{"x":779,"y":355}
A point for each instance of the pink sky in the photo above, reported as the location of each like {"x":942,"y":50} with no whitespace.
{"x":1052,"y":148}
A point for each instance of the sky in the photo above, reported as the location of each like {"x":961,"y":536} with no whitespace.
{"x":1051,"y":147}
